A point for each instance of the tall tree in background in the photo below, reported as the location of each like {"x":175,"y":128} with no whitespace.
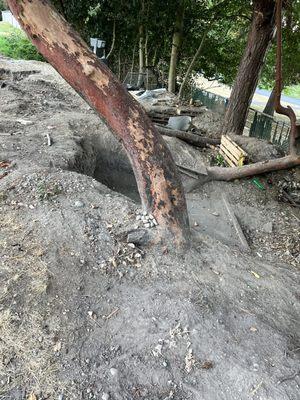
{"x":176,"y":43}
{"x":259,"y":37}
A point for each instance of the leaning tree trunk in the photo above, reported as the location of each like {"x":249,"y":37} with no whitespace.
{"x":260,"y":35}
{"x":176,"y":43}
{"x":157,"y":179}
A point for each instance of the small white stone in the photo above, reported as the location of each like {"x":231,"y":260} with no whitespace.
{"x":105,"y":396}
{"x":147,"y":225}
{"x":114,"y":371}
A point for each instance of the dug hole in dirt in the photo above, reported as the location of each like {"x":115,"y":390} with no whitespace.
{"x":86,"y":315}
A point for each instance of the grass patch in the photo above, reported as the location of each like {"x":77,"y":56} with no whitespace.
{"x":15,"y":44}
{"x":6,"y":28}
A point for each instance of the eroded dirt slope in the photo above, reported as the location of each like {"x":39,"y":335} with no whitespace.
{"x":85,"y":315}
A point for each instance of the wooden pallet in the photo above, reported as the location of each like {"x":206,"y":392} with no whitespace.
{"x":233,"y":154}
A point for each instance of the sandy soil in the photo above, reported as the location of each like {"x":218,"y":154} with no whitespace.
{"x":85,"y":315}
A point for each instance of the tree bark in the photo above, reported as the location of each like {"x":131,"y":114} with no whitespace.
{"x":157,"y":179}
{"x":270,"y":106}
{"x":260,"y":35}
{"x":176,"y":43}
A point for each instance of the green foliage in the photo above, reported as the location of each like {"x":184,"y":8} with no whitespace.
{"x":292,"y":91}
{"x":16,"y":45}
{"x":3,"y":6}
{"x":227,"y":21}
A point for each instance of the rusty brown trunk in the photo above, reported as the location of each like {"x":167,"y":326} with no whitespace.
{"x":157,"y":178}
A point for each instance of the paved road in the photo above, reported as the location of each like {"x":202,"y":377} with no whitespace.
{"x":290,"y":100}
{"x":260,"y":97}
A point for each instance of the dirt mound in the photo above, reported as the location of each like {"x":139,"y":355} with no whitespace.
{"x":85,"y":315}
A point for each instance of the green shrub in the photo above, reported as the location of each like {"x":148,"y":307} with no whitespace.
{"x":16,"y":45}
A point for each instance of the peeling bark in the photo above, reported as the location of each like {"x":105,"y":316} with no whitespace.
{"x":158,"y":182}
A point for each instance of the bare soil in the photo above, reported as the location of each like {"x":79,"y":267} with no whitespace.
{"x":85,"y":315}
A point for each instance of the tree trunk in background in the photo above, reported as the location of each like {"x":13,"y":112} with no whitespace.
{"x":176,"y":43}
{"x":259,"y":37}
{"x":270,"y":106}
{"x":113,"y":41}
{"x":141,"y":56}
{"x":189,"y":70}
{"x":156,"y":174}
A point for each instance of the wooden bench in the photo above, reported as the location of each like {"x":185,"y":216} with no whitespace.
{"x":233,"y":155}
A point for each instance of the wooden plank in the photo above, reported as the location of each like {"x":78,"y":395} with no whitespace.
{"x":235,"y":145}
{"x":232,"y":153}
{"x":229,"y":155}
{"x":227,"y":159}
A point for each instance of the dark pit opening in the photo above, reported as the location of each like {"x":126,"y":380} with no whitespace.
{"x":103,"y":158}
{"x":117,"y":177}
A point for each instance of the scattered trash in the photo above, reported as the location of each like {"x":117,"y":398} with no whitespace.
{"x":255,"y":274}
{"x":111,"y":314}
{"x":180,"y":123}
{"x":258,"y":184}
{"x":253,"y":329}
{"x":92,"y":314}
{"x":49,"y":140}
{"x":190,"y":361}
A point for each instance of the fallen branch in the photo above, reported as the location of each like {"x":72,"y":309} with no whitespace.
{"x":188,"y":137}
{"x":229,"y":174}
